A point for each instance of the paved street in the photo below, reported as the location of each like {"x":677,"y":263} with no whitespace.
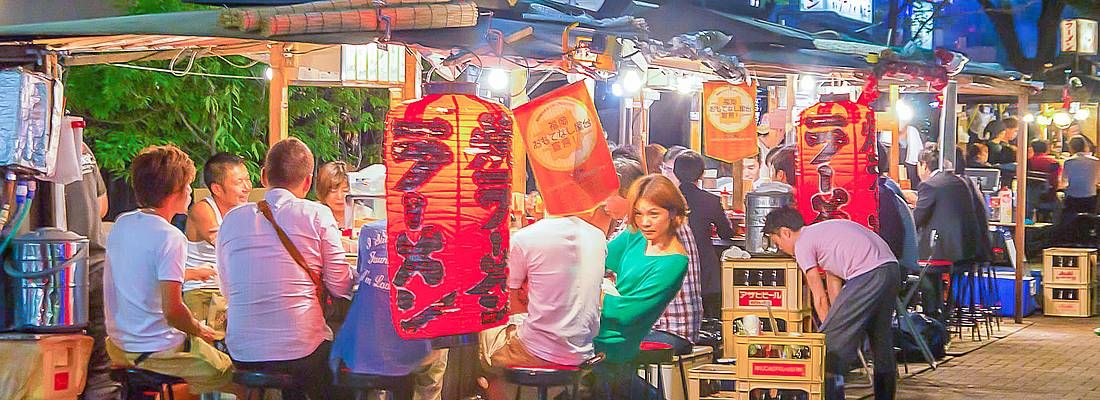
{"x":1056,"y":358}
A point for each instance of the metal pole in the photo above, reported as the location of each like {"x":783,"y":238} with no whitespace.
{"x":1021,"y":195}
{"x":948,"y":122}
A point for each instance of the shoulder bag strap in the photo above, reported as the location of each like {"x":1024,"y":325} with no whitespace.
{"x":265,"y":209}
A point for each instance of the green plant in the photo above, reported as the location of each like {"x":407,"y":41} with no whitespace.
{"x":127,"y":110}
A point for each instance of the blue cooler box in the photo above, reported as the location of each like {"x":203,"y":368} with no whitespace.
{"x":1005,"y":280}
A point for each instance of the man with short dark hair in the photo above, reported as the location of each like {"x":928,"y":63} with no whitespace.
{"x":668,"y":162}
{"x":859,"y":268}
{"x":1041,"y":161}
{"x":706,"y":216}
{"x":1080,"y":178}
{"x":946,"y":205}
{"x":1001,"y":148}
{"x":227,"y":178}
{"x":276,"y":321}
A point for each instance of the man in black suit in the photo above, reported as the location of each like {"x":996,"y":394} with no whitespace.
{"x":706,"y":216}
{"x":947,"y":204}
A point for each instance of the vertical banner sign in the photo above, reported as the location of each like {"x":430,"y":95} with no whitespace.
{"x":448,"y":189}
{"x":729,"y":121}
{"x":837,"y":163}
{"x":567,"y":150}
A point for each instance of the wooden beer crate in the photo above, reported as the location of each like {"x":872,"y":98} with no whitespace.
{"x":1083,"y":305}
{"x":670,"y":373}
{"x":788,"y":321}
{"x":1067,"y":265}
{"x":711,"y":372}
{"x":796,"y":358}
{"x":755,"y":283}
{"x":756,"y":390}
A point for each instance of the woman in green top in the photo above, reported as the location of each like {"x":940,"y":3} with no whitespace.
{"x":649,"y":263}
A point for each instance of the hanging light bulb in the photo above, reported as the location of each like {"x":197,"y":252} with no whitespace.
{"x":269,"y":73}
{"x":1043,"y":120}
{"x":905,"y":113}
{"x":807,"y":83}
{"x":617,"y":89}
{"x":497,"y":79}
{"x":631,"y":81}
{"x":1062,"y":119}
{"x":1082,"y":114}
{"x":1029,"y":118}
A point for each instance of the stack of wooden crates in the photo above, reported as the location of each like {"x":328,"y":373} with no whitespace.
{"x":787,"y":364}
{"x":750,"y":286}
{"x":1069,"y":282}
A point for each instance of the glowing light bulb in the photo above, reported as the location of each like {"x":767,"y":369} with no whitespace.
{"x":497,"y":79}
{"x":631,"y":81}
{"x":269,"y":73}
{"x":905,"y":113}
{"x":1029,"y":118}
{"x":1062,"y":119}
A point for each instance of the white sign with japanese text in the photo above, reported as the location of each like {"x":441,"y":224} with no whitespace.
{"x":860,"y":10}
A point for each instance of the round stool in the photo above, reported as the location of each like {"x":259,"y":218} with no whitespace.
{"x":654,"y":353}
{"x":364,"y":384}
{"x":145,"y":382}
{"x":259,"y":381}
{"x":543,"y":378}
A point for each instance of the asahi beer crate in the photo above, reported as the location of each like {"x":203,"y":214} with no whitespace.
{"x":1069,"y":300}
{"x":785,"y":322}
{"x":798,"y":357}
{"x":759,"y":390}
{"x":756,"y":283}
{"x":712,"y":382}
{"x":1067,"y":265}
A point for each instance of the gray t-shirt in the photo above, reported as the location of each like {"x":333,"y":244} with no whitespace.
{"x":842,"y":247}
{"x":82,"y":206}
{"x":1081,"y":175}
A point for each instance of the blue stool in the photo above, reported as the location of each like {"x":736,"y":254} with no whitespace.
{"x":145,"y":382}
{"x":259,"y":381}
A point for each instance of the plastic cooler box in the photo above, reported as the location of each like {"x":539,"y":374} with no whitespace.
{"x":1005,"y":280}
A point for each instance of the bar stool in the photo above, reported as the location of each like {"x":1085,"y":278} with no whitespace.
{"x":658,"y":354}
{"x":545,"y":377}
{"x":364,"y":384}
{"x":260,"y":381}
{"x":145,"y":382}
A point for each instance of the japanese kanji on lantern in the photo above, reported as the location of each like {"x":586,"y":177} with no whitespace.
{"x":837,"y":163}
{"x":567,"y":150}
{"x":729,"y":121}
{"x":448,"y":189}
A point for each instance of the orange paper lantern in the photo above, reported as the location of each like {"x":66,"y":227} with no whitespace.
{"x":448,"y":179}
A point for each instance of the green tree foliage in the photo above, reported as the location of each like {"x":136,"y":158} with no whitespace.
{"x":127,"y":110}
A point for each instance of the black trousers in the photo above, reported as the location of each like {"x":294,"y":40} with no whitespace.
{"x":99,"y":385}
{"x":311,"y":371}
{"x":863,"y":309}
{"x":1076,"y":205}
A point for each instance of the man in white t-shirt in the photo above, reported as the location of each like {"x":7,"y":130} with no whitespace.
{"x":147,"y":322}
{"x":555,"y":268}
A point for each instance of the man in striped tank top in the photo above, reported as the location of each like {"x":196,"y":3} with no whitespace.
{"x":227,"y":178}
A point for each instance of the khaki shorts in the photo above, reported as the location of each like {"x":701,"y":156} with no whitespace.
{"x":500,"y":348}
{"x":207,"y":305}
{"x":203,"y":367}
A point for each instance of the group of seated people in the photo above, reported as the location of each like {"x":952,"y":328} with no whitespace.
{"x":250,"y":276}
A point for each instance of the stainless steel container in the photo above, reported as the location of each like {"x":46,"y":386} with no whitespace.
{"x":757,"y":207}
{"x":48,"y":274}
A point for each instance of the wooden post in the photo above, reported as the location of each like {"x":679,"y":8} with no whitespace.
{"x":895,"y":133}
{"x":1021,"y":196}
{"x":518,"y":97}
{"x":278,"y":97}
{"x":792,"y":87}
{"x":696,"y":124}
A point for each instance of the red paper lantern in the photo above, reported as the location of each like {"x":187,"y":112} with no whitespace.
{"x":448,"y":179}
{"x":838,"y":163}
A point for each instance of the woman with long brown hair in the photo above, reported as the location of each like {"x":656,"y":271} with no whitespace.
{"x":649,"y":263}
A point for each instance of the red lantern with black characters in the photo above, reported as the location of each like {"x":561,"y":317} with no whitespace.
{"x":837,"y":163}
{"x":448,"y":180}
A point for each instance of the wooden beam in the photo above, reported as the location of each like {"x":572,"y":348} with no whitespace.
{"x":278,"y":97}
{"x":150,"y":55}
{"x":1021,"y":215}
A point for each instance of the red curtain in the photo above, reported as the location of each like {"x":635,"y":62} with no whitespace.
{"x":837,"y":163}
{"x":448,"y":179}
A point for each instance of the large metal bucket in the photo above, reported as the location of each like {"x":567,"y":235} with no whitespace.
{"x":49,"y":281}
{"x":757,"y":207}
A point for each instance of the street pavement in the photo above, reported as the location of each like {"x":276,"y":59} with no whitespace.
{"x":1054,"y":358}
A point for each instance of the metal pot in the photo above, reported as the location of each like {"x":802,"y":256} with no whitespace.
{"x":757,"y":207}
{"x":49,"y":280}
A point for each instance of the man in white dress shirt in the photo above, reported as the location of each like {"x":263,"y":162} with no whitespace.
{"x":276,"y":322}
